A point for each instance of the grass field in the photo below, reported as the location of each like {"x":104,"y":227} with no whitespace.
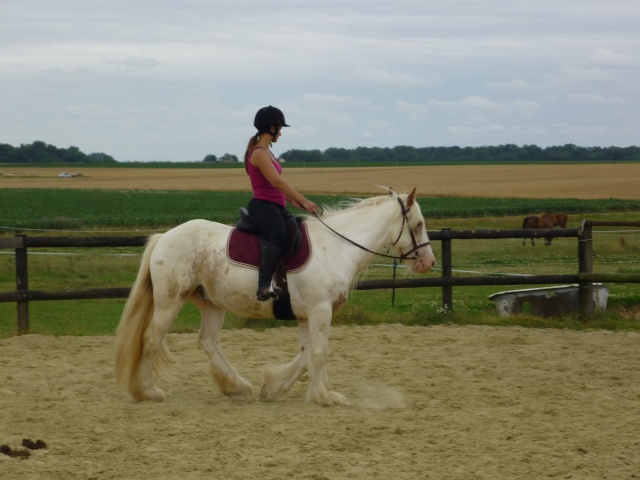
{"x":116,"y":208}
{"x":84,"y":209}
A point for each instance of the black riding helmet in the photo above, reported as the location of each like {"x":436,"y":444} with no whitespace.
{"x":268,"y":117}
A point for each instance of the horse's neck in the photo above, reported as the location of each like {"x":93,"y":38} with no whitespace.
{"x":370,"y":226}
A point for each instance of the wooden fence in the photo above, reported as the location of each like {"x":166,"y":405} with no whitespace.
{"x":584,"y":277}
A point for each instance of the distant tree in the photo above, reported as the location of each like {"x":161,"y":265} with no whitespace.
{"x":6,"y":153}
{"x":101,"y":157}
{"x":227,"y":157}
{"x":404,"y":154}
{"x":337,"y":155}
{"x":210,"y":158}
{"x":73,"y":155}
{"x":302,"y":156}
{"x":40,"y":152}
{"x":531,"y":153}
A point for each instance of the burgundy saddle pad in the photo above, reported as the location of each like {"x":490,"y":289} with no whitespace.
{"x":244,"y":249}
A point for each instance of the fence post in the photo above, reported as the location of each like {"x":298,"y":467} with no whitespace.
{"x":22,"y":284}
{"x":393,"y":290}
{"x":447,"y":291}
{"x":585,"y":252}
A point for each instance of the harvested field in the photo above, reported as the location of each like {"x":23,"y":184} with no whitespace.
{"x":440,"y":402}
{"x":523,"y":181}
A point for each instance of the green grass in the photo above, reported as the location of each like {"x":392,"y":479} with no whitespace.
{"x":616,"y":248}
{"x":412,"y":307}
{"x":85,"y":209}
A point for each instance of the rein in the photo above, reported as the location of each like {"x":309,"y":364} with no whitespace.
{"x":404,"y":256}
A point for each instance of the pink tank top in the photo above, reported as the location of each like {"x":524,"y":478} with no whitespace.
{"x":262,"y":189}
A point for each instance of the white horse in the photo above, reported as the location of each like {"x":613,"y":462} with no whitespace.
{"x":189,"y":262}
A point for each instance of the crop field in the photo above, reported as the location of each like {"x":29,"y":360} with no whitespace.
{"x":579,"y":181}
{"x":35,"y":197}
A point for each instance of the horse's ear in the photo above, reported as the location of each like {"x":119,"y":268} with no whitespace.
{"x":411,"y":199}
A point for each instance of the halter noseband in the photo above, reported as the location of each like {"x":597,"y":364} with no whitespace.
{"x":405,"y":220}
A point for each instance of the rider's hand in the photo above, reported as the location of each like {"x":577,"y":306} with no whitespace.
{"x":310,"y":207}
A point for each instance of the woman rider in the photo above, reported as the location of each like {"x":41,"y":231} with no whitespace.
{"x":267,"y":208}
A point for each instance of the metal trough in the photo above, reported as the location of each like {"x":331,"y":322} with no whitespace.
{"x":547,"y":301}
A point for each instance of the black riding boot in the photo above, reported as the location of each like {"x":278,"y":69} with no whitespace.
{"x":268,"y":264}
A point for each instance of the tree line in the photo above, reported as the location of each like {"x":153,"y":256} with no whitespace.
{"x":40,"y":152}
{"x":501,"y":153}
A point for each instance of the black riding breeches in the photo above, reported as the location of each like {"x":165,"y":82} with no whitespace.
{"x":271,"y":221}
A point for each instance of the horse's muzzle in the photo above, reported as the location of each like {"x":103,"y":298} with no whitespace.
{"x":424,"y":261}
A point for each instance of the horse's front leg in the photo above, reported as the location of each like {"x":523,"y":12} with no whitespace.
{"x":223,"y":373}
{"x":319,"y":390}
{"x":278,"y":379}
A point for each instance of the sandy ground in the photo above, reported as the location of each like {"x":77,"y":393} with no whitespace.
{"x":524,"y":181}
{"x":441,"y":402}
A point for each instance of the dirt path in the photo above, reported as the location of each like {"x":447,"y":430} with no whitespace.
{"x":439,"y":402}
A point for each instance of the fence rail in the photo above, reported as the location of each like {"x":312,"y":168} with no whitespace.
{"x":584,"y":277}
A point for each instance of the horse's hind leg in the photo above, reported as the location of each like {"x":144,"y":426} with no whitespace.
{"x":223,"y":373}
{"x":154,"y":349}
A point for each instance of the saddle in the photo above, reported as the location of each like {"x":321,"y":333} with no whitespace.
{"x":243,"y":248}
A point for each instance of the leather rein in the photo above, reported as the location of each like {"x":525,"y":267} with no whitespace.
{"x":405,"y":221}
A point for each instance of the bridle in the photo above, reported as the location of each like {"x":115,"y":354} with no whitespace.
{"x":405,"y":221}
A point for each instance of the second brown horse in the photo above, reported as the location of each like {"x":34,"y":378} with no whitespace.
{"x":548,"y":220}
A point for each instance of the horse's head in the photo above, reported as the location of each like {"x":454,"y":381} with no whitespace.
{"x":412,"y":244}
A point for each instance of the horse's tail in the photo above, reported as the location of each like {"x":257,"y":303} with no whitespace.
{"x":134,"y":321}
{"x":564,"y":218}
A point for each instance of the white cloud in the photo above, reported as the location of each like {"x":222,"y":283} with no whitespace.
{"x":411,"y":110}
{"x":593,"y":99}
{"x":606,"y":57}
{"x":513,"y":84}
{"x":143,"y":80}
{"x":386,"y":78}
{"x":139,"y":61}
{"x":483,"y":104}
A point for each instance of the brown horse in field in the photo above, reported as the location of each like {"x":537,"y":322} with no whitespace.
{"x":558,"y":219}
{"x":537,"y":222}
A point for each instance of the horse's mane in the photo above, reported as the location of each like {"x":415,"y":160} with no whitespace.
{"x":352,"y":203}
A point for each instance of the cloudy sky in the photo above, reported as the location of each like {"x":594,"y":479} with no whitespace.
{"x":176,"y":80}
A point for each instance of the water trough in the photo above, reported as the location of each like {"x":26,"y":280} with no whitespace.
{"x":547,"y":301}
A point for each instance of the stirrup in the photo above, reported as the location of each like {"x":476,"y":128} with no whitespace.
{"x":265,"y":293}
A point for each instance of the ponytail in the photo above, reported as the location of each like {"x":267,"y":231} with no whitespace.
{"x":253,"y":141}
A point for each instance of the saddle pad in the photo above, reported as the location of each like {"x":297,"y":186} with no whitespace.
{"x":244,"y":249}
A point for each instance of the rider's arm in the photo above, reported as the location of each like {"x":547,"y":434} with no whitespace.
{"x":261,"y":159}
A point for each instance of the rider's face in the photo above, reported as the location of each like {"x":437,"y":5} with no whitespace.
{"x":278,"y":131}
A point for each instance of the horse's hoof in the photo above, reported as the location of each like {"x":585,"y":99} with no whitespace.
{"x":331,"y":399}
{"x":154,"y":394}
{"x":337,"y":400}
{"x":244,"y":395}
{"x":264,"y":394}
